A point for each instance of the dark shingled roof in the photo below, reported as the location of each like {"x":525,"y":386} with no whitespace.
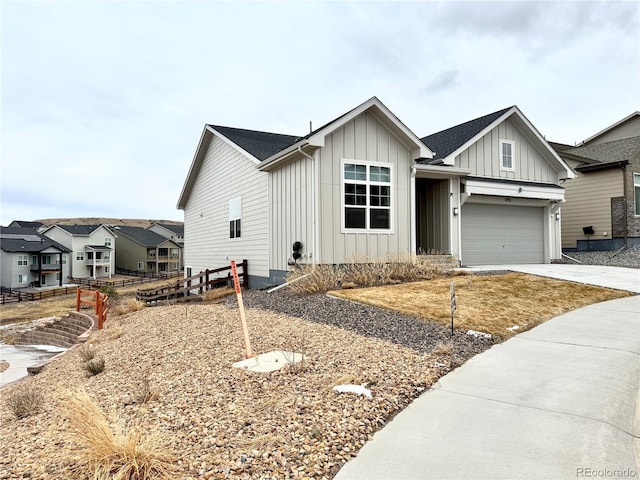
{"x":28,"y":240}
{"x":616,"y":151}
{"x":79,"y":229}
{"x":141,"y":235}
{"x":179,"y":229}
{"x":447,"y":141}
{"x":261,"y":145}
{"x":23,"y":224}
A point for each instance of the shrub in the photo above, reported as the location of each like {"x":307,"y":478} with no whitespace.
{"x":105,"y":449}
{"x":95,"y":366}
{"x":127,"y":306}
{"x":25,"y":402}
{"x":144,"y":392}
{"x":310,"y":279}
{"x":111,"y":291}
{"x":87,"y":352}
{"x":217,"y":293}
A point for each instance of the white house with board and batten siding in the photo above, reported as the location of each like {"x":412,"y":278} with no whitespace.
{"x":365,"y":186}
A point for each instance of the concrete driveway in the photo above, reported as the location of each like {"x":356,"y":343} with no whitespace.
{"x":557,"y":402}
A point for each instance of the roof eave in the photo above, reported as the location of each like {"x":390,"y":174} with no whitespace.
{"x":610,"y":127}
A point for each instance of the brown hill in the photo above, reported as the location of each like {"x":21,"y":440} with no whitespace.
{"x":130,"y":222}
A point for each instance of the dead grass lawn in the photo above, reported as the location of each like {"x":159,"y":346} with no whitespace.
{"x":492,"y":304}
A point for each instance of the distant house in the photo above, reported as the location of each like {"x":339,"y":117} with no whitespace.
{"x":364,"y":185}
{"x":602,"y":208}
{"x":143,"y":250}
{"x":93,"y":248}
{"x":23,"y":224}
{"x":171,"y":231}
{"x":28,"y":258}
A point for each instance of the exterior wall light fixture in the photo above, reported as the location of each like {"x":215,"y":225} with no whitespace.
{"x":456,"y":211}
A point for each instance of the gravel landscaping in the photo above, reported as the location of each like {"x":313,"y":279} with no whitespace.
{"x":222,"y":422}
{"x":629,"y":257}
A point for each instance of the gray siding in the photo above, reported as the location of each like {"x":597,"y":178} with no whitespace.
{"x":630,"y":128}
{"x":130,"y":253}
{"x":291,"y":211}
{"x":366,"y":139}
{"x":226,"y":174}
{"x":483,"y":157}
{"x":588,"y":202}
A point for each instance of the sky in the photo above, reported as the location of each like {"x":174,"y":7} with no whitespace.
{"x":103,"y":102}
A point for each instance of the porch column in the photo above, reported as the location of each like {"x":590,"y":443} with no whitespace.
{"x":61,"y":269}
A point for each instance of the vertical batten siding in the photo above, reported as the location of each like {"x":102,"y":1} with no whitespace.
{"x":291,"y":207}
{"x":483,"y":157}
{"x":366,"y":139}
{"x":226,"y":174}
{"x":588,"y":203}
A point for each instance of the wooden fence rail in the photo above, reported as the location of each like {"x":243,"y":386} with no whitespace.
{"x":99,"y":300}
{"x":196,"y":284}
{"x":10,"y":295}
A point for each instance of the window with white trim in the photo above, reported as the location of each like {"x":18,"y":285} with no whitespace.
{"x":79,"y":255}
{"x":235,"y":213}
{"x":22,"y":279}
{"x":366,"y":196}
{"x":107,"y":242}
{"x":140,"y":265}
{"x":507,"y":155}
{"x":636,"y":191}
{"x":23,"y":260}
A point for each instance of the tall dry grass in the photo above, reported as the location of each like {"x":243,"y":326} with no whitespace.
{"x":104,"y":449}
{"x":365,"y":272}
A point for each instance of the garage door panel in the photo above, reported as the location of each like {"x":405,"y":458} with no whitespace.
{"x":498,"y":234}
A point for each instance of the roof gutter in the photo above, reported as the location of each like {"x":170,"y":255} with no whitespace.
{"x":602,"y":166}
{"x":273,"y":160}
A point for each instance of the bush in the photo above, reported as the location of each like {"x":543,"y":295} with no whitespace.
{"x":105,"y":449}
{"x":127,"y":306}
{"x":87,"y":352}
{"x":111,"y":291}
{"x":95,"y":366}
{"x":25,"y":402}
{"x":144,"y":392}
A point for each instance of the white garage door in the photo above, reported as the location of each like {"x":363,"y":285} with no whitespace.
{"x":500,"y":234}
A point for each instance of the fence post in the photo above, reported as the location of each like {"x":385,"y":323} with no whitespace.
{"x":245,"y":274}
{"x":78,"y":299}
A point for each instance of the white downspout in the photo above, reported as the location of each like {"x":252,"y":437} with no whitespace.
{"x":412,"y":210}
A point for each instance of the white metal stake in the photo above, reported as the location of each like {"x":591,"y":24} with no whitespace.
{"x":243,"y":319}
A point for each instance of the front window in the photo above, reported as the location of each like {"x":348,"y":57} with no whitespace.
{"x":506,"y":155}
{"x":79,"y":255}
{"x":107,"y":242}
{"x":140,"y":265}
{"x":366,"y":196}
{"x":175,"y":253}
{"x":23,"y":260}
{"x":22,"y":279}
{"x":636,"y":191}
{"x":235,"y":212}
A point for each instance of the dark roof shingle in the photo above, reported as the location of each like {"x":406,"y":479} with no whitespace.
{"x":261,"y":145}
{"x":28,"y":240}
{"x":447,"y":141}
{"x":145,"y":237}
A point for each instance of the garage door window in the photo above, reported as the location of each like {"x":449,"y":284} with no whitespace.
{"x":506,"y":155}
{"x":366,"y":196}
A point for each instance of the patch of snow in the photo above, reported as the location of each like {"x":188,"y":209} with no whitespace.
{"x":357,"y":389}
{"x":478,"y":334}
{"x":514,"y":328}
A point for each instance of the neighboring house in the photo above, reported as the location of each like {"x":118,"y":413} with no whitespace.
{"x":364,"y":185}
{"x":143,"y":250}
{"x":23,"y":224}
{"x":93,"y":248}
{"x":605,"y":195}
{"x":173,"y":232}
{"x":28,"y":258}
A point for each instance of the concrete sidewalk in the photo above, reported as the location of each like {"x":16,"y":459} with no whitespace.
{"x":557,"y":402}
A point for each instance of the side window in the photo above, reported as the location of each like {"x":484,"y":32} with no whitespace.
{"x":506,"y":155}
{"x":235,"y":212}
{"x":366,"y":196}
{"x":636,"y":191}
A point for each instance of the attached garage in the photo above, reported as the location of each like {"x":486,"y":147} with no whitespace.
{"x":501,"y":234}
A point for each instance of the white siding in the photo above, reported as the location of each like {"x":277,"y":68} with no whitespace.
{"x":291,"y":211}
{"x":588,"y":203}
{"x":483,"y":157}
{"x":365,"y":138}
{"x":226,"y":174}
